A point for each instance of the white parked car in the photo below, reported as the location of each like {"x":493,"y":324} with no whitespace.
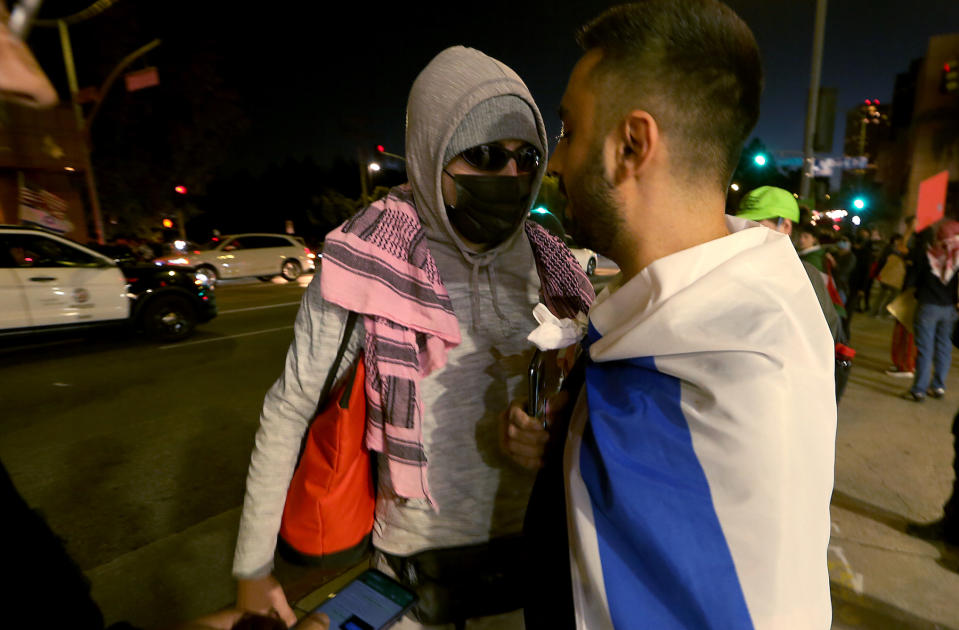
{"x":262,"y":256}
{"x":585,"y":257}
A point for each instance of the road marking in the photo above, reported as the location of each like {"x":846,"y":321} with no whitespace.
{"x":847,"y":577}
{"x":247,"y":334}
{"x":257,"y":308}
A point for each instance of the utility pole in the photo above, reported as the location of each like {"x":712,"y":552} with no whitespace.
{"x":81,"y":130}
{"x":812,"y":103}
{"x":61,"y":25}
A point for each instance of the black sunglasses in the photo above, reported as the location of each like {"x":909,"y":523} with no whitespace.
{"x":493,"y":157}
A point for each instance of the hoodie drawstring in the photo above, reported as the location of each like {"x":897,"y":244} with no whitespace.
{"x":474,"y":296}
{"x":492,"y":285}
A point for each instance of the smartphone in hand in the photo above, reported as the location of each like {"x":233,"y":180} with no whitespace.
{"x":536,"y":377}
{"x":372,"y":601}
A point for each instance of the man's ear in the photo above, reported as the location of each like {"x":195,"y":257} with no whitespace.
{"x":638,"y":140}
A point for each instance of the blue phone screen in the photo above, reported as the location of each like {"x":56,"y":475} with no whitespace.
{"x":367,"y":603}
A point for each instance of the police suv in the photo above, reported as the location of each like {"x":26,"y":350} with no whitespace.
{"x":50,"y":283}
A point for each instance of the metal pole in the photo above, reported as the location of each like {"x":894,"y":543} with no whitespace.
{"x":813,"y":102}
{"x":81,"y":129}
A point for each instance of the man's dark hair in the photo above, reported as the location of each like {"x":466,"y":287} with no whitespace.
{"x":692,"y":64}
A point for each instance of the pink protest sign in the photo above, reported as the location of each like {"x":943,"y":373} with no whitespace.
{"x":932,"y":200}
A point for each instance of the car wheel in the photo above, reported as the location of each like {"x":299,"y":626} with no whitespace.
{"x":591,"y":266}
{"x":209,"y":272}
{"x":168,"y":318}
{"x":264,"y":278}
{"x":291,"y":270}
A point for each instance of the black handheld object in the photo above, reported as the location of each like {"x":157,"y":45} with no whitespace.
{"x":536,"y":377}
{"x":372,"y":601}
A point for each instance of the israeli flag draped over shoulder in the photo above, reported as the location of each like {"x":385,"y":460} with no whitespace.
{"x":699,"y":464}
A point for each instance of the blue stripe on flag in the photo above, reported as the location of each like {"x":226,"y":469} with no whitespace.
{"x":666,"y":563}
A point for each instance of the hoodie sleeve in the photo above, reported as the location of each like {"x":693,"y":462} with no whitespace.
{"x":288,"y":408}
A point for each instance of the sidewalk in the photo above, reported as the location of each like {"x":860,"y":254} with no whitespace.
{"x":893,"y":465}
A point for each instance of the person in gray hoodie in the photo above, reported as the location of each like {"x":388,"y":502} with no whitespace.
{"x":475,"y":150}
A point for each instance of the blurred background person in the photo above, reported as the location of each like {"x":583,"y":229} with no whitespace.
{"x":935,"y":259}
{"x":892,"y":274}
{"x":862,"y":249}
{"x":903,"y":348}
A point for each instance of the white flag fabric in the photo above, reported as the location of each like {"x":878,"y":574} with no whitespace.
{"x":699,"y":465}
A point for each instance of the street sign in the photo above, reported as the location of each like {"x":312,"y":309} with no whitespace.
{"x":148,"y":77}
{"x":824,"y":167}
{"x":932,"y":200}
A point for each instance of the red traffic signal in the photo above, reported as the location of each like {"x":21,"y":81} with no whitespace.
{"x":381,"y":148}
{"x":180,"y":190}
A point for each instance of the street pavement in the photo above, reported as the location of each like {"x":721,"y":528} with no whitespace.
{"x":136,"y":453}
{"x":893,"y":465}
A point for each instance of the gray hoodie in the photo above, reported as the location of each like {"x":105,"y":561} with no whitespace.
{"x":479,"y":492}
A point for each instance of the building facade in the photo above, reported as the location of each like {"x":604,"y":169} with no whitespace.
{"x":41,"y":162}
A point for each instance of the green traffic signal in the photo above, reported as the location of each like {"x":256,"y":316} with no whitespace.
{"x":859,"y":203}
{"x":760,"y":159}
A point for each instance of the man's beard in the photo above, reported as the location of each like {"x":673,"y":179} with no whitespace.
{"x":595,"y":220}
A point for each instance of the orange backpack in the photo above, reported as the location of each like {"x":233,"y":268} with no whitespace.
{"x":328,"y":514}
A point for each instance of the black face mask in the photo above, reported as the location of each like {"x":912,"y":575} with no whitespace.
{"x":489,"y":207}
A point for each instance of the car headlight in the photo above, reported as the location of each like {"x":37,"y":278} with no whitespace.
{"x":177,"y":261}
{"x":202,"y":280}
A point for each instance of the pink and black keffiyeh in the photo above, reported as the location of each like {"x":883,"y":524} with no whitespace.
{"x":378,"y":264}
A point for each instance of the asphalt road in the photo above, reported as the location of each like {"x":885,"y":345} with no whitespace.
{"x":121,"y":442}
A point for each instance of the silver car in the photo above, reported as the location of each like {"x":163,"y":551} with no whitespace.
{"x":263,"y":256}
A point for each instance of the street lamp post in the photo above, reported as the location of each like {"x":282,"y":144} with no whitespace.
{"x":812,"y":104}
{"x":82,"y":130}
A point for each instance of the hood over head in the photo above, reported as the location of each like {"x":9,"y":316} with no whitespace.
{"x":461,"y":98}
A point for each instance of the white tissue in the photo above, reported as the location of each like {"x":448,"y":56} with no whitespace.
{"x":554,"y":333}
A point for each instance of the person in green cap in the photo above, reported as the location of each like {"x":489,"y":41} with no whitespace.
{"x":778,"y":210}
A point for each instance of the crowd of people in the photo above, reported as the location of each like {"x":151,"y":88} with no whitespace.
{"x":682,"y":477}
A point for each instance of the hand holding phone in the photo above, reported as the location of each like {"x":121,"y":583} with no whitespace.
{"x":372,"y":601}
{"x":536,"y":378}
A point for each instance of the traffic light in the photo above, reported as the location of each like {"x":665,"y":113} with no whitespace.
{"x":180,"y":190}
{"x":760,"y":159}
{"x":858,"y":203}
{"x":167,"y":223}
{"x":380,"y":148}
{"x":949,"y":83}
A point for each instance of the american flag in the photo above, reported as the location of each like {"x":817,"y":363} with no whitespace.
{"x":42,"y":200}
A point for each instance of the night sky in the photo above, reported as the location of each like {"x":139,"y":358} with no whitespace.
{"x":322,"y":81}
